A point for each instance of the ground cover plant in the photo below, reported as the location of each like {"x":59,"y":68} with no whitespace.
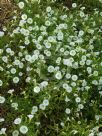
{"x":51,"y":71}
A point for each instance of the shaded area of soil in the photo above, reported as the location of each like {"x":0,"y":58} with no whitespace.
{"x":7,"y":8}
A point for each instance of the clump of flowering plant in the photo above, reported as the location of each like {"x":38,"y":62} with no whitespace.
{"x":51,"y":72}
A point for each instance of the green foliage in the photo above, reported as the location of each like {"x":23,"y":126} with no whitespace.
{"x":51,"y":71}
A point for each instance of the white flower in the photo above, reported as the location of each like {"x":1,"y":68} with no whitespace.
{"x":15,"y":133}
{"x":1,"y":33}
{"x":74,"y":77}
{"x":69,"y":89}
{"x":47,"y":23}
{"x":14,"y":105}
{"x":73,"y":84}
{"x":100,"y":1}
{"x":28,"y":57}
{"x":37,"y":123}
{"x":4,"y":58}
{"x":60,"y":36}
{"x":67,"y":62}
{"x":15,"y":79}
{"x":26,"y":33}
{"x":36,"y":89}
{"x":23,"y":129}
{"x":81,"y":33}
{"x":48,"y":9}
{"x":13,"y":70}
{"x":46,"y":102}
{"x":10,"y":91}
{"x":12,"y":53}
{"x":95,"y":73}
{"x":8,"y":50}
{"x":67,"y":99}
{"x":17,"y":121}
{"x":24,"y":16}
{"x":62,"y":50}
{"x":58,"y":75}
{"x":91,"y":134}
{"x":50,"y":69}
{"x":67,"y":111}
{"x":72,"y":52}
{"x":42,"y":106}
{"x":21,"y":5}
{"x":99,"y":134}
{"x":29,"y":20}
{"x":58,"y":60}
{"x":1,"y":83}
{"x":95,"y":82}
{"x":2,"y":99}
{"x":34,"y":57}
{"x":68,"y":76}
{"x":16,"y":62}
{"x":74,"y":5}
{"x":3,"y":131}
{"x":21,"y":65}
{"x":48,"y":45}
{"x":82,"y":14}
{"x":83,"y":58}
{"x":43,"y":84}
{"x":80,"y":106}
{"x":62,"y":124}
{"x":65,"y":85}
{"x":2,"y":119}
{"x":77,"y":99}
{"x":51,"y":39}
{"x":28,"y":79}
{"x":97,"y":117}
{"x":34,"y":109}
{"x":89,"y":70}
{"x":30,"y":116}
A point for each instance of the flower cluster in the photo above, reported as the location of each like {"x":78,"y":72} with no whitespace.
{"x":50,"y":69}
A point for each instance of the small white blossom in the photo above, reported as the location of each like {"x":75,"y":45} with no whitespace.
{"x":17,"y":121}
{"x":21,"y":5}
{"x":67,"y":111}
{"x":74,"y":5}
{"x":29,"y":20}
{"x":14,"y":105}
{"x":72,"y":52}
{"x":15,"y":133}
{"x":42,"y":106}
{"x":2,"y":99}
{"x":2,"y":119}
{"x":77,"y":99}
{"x":51,"y":69}
{"x":1,"y":83}
{"x":24,"y":16}
{"x":48,"y":9}
{"x":80,"y":106}
{"x":13,"y":70}
{"x":36,"y":89}
{"x":58,"y":75}
{"x":68,"y":76}
{"x":1,"y":33}
{"x":74,"y":77}
{"x":46,"y":102}
{"x":23,"y":129}
{"x":34,"y":109}
{"x":15,"y":80}
{"x":3,"y":131}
